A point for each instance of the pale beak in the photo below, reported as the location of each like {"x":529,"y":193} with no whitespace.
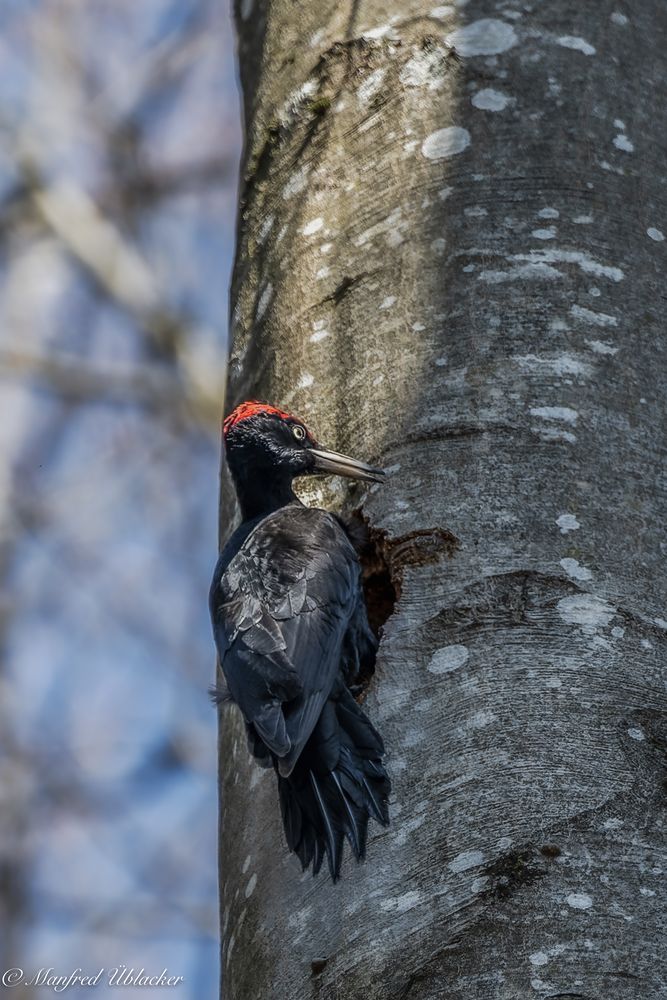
{"x":340,"y":465}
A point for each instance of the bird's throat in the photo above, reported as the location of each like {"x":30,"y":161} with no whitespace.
{"x":263,"y":492}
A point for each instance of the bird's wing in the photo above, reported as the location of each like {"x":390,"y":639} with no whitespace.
{"x":280,"y":611}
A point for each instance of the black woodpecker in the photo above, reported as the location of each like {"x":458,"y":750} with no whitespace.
{"x":291,"y":630}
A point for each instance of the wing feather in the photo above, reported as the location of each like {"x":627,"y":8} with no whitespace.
{"x":281,"y":604}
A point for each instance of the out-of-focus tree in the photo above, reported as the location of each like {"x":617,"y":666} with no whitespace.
{"x":118,"y":150}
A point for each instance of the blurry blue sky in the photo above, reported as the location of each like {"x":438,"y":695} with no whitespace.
{"x":119,"y":145}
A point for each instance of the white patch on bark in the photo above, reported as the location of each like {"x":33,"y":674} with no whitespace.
{"x":613,"y":823}
{"x":266,"y":227}
{"x":617,"y":18}
{"x":305,"y":381}
{"x":264,"y":299}
{"x":466,"y":860}
{"x":399,"y":904}
{"x":486,"y":37}
{"x":447,"y":659}
{"x":294,"y":102}
{"x":479,"y":720}
{"x":567,"y":523}
{"x":323,"y":272}
{"x":443,"y":11}
{"x":246,"y":863}
{"x":574,"y":569}
{"x":579,"y":901}
{"x":256,"y":776}
{"x":551,"y":255}
{"x":446,"y":142}
{"x":602,"y":347}
{"x":655,"y":234}
{"x":407,"y":827}
{"x":424,"y":705}
{"x":388,"y":302}
{"x":548,"y":213}
{"x":371,"y":85}
{"x":636,"y":734}
{"x":544,"y":234}
{"x":312,"y":227}
{"x":594,"y":318}
{"x":562,"y":365}
{"x":583,"y":260}
{"x":444,"y":193}
{"x":583,"y":220}
{"x":425,"y":69}
{"x":540,"y":986}
{"x":489,"y":99}
{"x":586,"y":610}
{"x":381,"y":31}
{"x":576,"y":43}
{"x":565,"y":413}
{"x":391,"y":228}
{"x":622,"y":142}
{"x":250,"y":888}
{"x":318,"y":336}
{"x":543,"y":957}
{"x":555,"y":434}
{"x":524,"y":272}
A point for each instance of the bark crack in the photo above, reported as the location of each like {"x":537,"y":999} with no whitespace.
{"x":343,"y":288}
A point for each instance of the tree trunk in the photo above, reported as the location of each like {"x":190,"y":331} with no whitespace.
{"x":449,"y":253}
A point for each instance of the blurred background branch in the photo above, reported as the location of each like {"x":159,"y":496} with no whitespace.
{"x":119,"y":143}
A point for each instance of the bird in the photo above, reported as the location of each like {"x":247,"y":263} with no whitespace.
{"x":292,"y":635}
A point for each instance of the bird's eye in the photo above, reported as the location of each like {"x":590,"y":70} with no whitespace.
{"x":299,"y":432}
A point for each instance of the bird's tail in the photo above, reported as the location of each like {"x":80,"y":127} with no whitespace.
{"x":337,"y":783}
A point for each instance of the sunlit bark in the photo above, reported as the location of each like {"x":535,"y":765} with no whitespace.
{"x":449,"y":262}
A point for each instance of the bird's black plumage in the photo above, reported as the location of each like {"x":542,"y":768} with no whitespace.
{"x":290,"y":626}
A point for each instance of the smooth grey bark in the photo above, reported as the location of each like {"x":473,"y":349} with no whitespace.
{"x":449,"y":262}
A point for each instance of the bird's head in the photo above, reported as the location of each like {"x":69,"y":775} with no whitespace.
{"x":262,"y":439}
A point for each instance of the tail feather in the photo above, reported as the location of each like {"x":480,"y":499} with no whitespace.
{"x":338,"y":782}
{"x":351,"y":827}
{"x":318,"y":856}
{"x":333,"y":841}
{"x":378,"y":809}
{"x":292,"y":820}
{"x":356,"y":724}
